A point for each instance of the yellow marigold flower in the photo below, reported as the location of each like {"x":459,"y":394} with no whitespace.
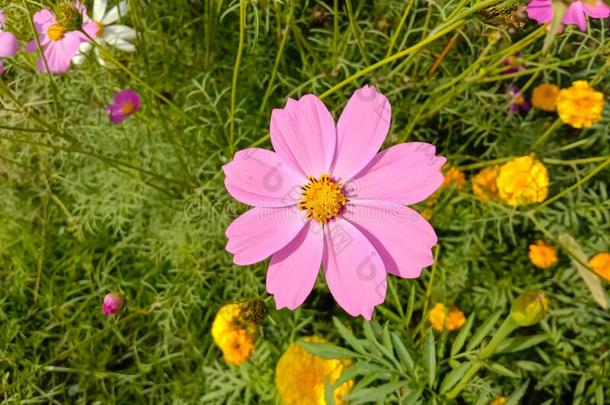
{"x":484,"y":183}
{"x":439,"y":318}
{"x":454,"y":176}
{"x":300,"y":376}
{"x":580,"y":105}
{"x":542,"y":254}
{"x":600,"y":263}
{"x":499,"y":401}
{"x":523,"y":180}
{"x":235,"y":340}
{"x":544,"y":97}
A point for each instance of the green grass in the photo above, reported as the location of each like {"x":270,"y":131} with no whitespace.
{"x":87,"y":207}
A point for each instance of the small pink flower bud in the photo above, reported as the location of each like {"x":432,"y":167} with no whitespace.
{"x":113,"y":304}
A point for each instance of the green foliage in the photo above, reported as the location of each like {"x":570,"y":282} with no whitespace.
{"x":87,"y":207}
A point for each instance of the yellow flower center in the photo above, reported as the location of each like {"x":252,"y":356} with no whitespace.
{"x":100,"y":28}
{"x":56,"y":32}
{"x":322,"y":198}
{"x":128,"y":108}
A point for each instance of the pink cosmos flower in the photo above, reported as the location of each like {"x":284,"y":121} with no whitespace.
{"x":8,"y":42}
{"x":58,"y":44}
{"x":113,"y":304}
{"x":577,"y":13}
{"x":126,"y":103}
{"x":517,"y":100}
{"x":325,"y":196}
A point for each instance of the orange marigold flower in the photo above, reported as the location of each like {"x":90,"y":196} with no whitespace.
{"x":580,"y":105}
{"x":484,"y":185}
{"x":236,"y":345}
{"x":544,"y":97}
{"x":440,"y":319}
{"x":600,"y":263}
{"x":454,"y":177}
{"x":300,"y":377}
{"x":542,"y":254}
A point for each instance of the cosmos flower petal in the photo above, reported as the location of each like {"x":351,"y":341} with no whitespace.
{"x":31,"y":46}
{"x":361,"y":130}
{"x":407,"y":173}
{"x":600,"y":10}
{"x":121,"y":44}
{"x":260,"y":178}
{"x":576,"y":15}
{"x":540,"y":10}
{"x":260,"y":232}
{"x":293,"y":270}
{"x":402,"y":237}
{"x":303,"y":134}
{"x":353,"y":268}
{"x":42,"y":19}
{"x":115,"y":13}
{"x":119,"y":31}
{"x":8,"y":44}
{"x":99,"y":9}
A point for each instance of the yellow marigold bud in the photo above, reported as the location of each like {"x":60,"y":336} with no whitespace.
{"x":523,"y":180}
{"x":600,"y":263}
{"x":484,"y":183}
{"x":529,"y":308}
{"x":440,"y":319}
{"x":300,"y":376}
{"x":542,"y":254}
{"x":231,"y":335}
{"x":454,"y":177}
{"x":580,"y":105}
{"x":544,"y":97}
{"x":499,"y":401}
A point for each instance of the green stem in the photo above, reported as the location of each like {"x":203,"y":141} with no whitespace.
{"x":395,"y":34}
{"x":573,"y":187}
{"x":240,"y":50}
{"x":507,"y":327}
{"x":542,"y":139}
{"x":276,"y":64}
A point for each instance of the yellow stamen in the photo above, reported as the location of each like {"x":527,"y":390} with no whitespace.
{"x":128,"y":108}
{"x":322,"y":198}
{"x":56,"y":32}
{"x":100,"y":29}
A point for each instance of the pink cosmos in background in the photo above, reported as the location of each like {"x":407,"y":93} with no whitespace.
{"x":58,"y":44}
{"x":577,"y":13}
{"x":326,"y":196}
{"x":517,"y":100}
{"x":113,"y":304}
{"x":8,"y":42}
{"x":126,"y":103}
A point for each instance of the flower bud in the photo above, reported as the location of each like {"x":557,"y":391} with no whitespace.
{"x":68,"y":15}
{"x":529,"y":308}
{"x":113,"y":304}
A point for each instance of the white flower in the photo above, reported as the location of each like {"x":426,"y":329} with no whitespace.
{"x":108,"y":33}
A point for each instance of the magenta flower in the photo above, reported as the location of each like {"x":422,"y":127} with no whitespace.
{"x":58,"y":44}
{"x":513,"y":64}
{"x":325,"y":196}
{"x":577,"y":13}
{"x":517,"y":100}
{"x":8,"y":42}
{"x":126,"y":103}
{"x":113,"y":304}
